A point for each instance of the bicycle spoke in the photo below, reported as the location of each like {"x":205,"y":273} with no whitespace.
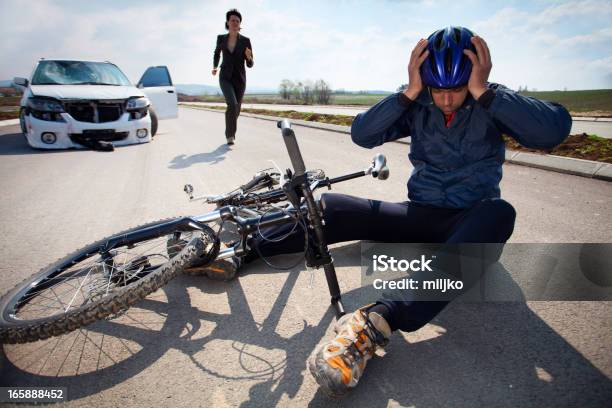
{"x":79,"y":286}
{"x":69,"y":304}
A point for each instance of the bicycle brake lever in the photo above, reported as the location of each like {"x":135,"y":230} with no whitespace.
{"x":378,"y":163}
{"x":277,"y":167}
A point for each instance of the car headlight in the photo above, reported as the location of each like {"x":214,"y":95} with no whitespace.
{"x":45,"y":105}
{"x":137,"y":103}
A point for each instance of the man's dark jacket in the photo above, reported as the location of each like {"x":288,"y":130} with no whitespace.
{"x":458,"y":166}
{"x":232,"y":66}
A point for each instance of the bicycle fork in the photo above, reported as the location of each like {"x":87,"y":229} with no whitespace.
{"x":296,"y":186}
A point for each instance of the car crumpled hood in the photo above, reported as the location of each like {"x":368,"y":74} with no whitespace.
{"x":85,"y":91}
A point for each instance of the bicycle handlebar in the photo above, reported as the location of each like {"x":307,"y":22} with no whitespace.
{"x":263,"y":178}
{"x":292,"y":147}
{"x":247,"y":195}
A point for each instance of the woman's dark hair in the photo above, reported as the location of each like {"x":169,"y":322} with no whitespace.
{"x":232,"y":12}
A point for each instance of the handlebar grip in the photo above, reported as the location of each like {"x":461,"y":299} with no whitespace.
{"x":380,"y":162}
{"x":283,"y":124}
{"x":292,"y":147}
{"x":254,"y":182}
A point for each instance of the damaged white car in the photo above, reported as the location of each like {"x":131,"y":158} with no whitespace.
{"x":76,"y":104}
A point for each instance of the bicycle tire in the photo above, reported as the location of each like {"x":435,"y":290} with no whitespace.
{"x":18,"y":330}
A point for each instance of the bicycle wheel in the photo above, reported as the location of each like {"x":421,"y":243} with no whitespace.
{"x":102,"y":279}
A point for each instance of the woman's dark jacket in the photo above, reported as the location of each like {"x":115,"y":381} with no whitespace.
{"x":232,"y":66}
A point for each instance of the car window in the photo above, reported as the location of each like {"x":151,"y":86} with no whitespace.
{"x":155,"y":76}
{"x":78,"y":73}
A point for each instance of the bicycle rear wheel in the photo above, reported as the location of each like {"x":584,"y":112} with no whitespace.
{"x":102,"y":279}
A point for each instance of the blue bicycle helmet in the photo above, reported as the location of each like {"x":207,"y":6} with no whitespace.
{"x":447,"y":66}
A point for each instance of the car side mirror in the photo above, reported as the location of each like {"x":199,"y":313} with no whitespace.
{"x":140,"y":86}
{"x":21,"y":82}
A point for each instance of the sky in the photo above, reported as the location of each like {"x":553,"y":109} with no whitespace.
{"x":353,"y":45}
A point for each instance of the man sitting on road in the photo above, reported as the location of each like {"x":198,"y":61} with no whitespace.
{"x":456,"y":120}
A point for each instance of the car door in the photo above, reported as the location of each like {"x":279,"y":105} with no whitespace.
{"x":157,"y":85}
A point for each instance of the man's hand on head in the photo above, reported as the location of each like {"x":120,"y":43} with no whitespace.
{"x":481,"y":67}
{"x":415,"y":83}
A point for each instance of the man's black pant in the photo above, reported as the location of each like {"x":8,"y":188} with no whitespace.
{"x":349,"y":218}
{"x":233,"y":91}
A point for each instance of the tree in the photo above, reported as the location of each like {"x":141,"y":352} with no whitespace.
{"x":402,"y":87}
{"x":298,"y":90}
{"x":285,"y":88}
{"x":307,"y":94}
{"x":306,"y":91}
{"x":322,"y":92}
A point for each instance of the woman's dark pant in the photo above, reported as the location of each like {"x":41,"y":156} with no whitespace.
{"x":349,"y":218}
{"x":233,"y":91}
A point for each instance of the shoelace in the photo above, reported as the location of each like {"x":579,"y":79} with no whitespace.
{"x":352,"y":351}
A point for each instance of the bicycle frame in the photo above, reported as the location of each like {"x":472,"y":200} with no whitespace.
{"x":298,"y":191}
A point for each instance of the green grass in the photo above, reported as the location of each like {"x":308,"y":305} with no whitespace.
{"x":357,"y":99}
{"x":578,"y":101}
{"x":252,"y":98}
{"x":575,"y":101}
{"x":341,"y":99}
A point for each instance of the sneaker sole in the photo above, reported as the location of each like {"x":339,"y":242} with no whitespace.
{"x":321,"y":377}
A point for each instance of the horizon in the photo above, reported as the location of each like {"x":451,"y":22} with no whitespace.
{"x":352,"y":45}
{"x":264,"y":91}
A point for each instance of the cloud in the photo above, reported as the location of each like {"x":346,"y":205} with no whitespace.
{"x":293,"y":41}
{"x":534,"y":48}
{"x":132,"y":37}
{"x":601,"y":64}
{"x":601,"y":36}
{"x":573,"y":10}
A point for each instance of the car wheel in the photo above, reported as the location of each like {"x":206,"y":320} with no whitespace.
{"x":22,"y":123}
{"x":153,"y":121}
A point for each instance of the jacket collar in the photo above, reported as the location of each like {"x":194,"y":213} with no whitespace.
{"x":226,"y":40}
{"x":425,"y":99}
{"x":227,"y":37}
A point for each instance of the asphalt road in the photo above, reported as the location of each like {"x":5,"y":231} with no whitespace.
{"x":202,"y":343}
{"x":602,"y":128}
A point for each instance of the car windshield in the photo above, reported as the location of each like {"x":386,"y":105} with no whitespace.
{"x":78,"y":73}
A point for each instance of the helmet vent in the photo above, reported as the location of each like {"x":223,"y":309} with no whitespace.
{"x":457,"y":34}
{"x":439,"y":40}
{"x":447,"y":62}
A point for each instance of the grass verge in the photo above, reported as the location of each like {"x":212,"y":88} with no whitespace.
{"x":596,"y":102}
{"x":9,"y":115}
